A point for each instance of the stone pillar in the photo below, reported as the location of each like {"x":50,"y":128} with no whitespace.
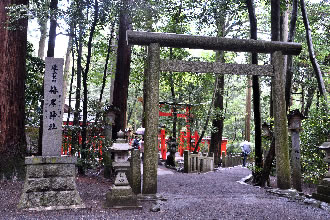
{"x":50,"y":180}
{"x":136,"y":171}
{"x":295,"y":118}
{"x":52,"y":111}
{"x":280,"y":123}
{"x":150,"y":163}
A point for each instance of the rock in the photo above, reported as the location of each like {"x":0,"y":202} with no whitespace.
{"x":155,"y":208}
{"x":313,"y":202}
{"x":325,"y":206}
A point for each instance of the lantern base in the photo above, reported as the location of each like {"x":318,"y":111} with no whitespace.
{"x":323,"y":191}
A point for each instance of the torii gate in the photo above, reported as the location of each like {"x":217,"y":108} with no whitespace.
{"x":156,"y":40}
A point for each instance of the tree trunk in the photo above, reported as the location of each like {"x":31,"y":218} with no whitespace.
{"x":310,"y":95}
{"x":268,"y":163}
{"x":289,"y":71}
{"x":122,"y":71}
{"x":275,"y":36}
{"x":84,"y":148}
{"x":207,"y":117}
{"x":311,"y":52}
{"x":105,"y":72}
{"x":175,"y":115}
{"x":52,"y":29}
{"x":275,"y":32}
{"x":71,"y":83}
{"x":256,"y":95}
{"x":247,"y":129}
{"x":217,"y":123}
{"x":66,"y":70}
{"x":76,"y":114}
{"x":42,"y":40}
{"x":13,"y":45}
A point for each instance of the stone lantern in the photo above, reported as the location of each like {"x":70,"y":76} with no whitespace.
{"x":121,"y":194}
{"x":323,"y":190}
{"x":172,"y":146}
{"x":326,"y":147}
{"x":294,"y":120}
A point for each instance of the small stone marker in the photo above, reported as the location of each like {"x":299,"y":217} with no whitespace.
{"x":52,"y":113}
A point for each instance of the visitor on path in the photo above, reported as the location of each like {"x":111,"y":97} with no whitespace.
{"x":136,"y":144}
{"x":142,"y":148}
{"x":246,"y":150}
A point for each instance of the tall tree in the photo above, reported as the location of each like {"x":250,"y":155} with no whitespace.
{"x":247,"y":130}
{"x":256,"y":93}
{"x":311,"y":52}
{"x":85,"y":75}
{"x":289,"y":71}
{"x":13,"y":45}
{"x":42,"y":21}
{"x":120,"y":92}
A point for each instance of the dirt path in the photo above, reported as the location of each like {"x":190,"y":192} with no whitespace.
{"x":213,"y":195}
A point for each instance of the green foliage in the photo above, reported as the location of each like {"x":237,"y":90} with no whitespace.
{"x":97,"y":142}
{"x":33,"y":87}
{"x":316,"y":130}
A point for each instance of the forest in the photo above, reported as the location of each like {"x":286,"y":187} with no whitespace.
{"x":103,"y":75}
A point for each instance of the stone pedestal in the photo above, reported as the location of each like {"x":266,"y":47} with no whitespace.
{"x":121,"y":195}
{"x":323,"y":191}
{"x":50,"y":184}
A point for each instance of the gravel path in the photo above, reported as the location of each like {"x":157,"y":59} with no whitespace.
{"x":213,"y":195}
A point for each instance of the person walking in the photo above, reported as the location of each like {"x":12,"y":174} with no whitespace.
{"x":246,"y":150}
{"x":135,"y":144}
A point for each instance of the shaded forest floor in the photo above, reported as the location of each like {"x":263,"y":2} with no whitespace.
{"x":213,"y":195}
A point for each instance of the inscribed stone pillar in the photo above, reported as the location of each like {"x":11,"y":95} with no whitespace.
{"x":150,"y":163}
{"x":52,"y":112}
{"x":280,"y":123}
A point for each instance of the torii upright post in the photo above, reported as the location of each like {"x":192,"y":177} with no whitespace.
{"x":280,"y":123}
{"x":150,"y":162}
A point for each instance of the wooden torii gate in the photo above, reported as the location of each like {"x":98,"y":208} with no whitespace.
{"x":155,"y":65}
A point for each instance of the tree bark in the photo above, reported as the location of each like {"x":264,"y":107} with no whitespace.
{"x":84,"y":149}
{"x":289,"y":71}
{"x":52,"y":29}
{"x":76,"y":114}
{"x":217,"y":123}
{"x":122,"y":71}
{"x":13,"y":47}
{"x":310,"y":95}
{"x":105,"y":72}
{"x":175,"y":115}
{"x":256,"y":95}
{"x":311,"y":52}
{"x":247,"y":129}
{"x":275,"y":36}
{"x":43,"y":36}
{"x":71,"y":82}
{"x":66,"y":70}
